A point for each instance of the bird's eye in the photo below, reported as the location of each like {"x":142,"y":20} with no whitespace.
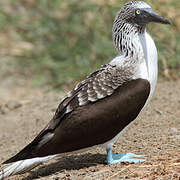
{"x":138,"y":12}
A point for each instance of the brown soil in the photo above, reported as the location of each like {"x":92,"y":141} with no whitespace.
{"x":156,"y":133}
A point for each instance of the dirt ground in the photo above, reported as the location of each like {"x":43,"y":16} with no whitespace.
{"x":25,"y":111}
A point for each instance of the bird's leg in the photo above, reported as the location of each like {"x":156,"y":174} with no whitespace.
{"x":122,"y":157}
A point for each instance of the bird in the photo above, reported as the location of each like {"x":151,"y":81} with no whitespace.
{"x":103,"y":105}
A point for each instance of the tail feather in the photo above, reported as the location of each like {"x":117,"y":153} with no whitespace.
{"x":23,"y":166}
{"x":18,"y":157}
{"x":25,"y":153}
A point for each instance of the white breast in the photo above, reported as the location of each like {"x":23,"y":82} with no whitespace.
{"x":150,"y":54}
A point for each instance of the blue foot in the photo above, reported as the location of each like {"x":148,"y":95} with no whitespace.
{"x":122,"y":157}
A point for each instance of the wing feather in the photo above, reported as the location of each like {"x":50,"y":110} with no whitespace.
{"x":96,"y":86}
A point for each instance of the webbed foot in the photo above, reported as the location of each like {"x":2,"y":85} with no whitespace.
{"x":123,"y":157}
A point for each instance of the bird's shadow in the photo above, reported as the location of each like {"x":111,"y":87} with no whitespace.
{"x":73,"y":162}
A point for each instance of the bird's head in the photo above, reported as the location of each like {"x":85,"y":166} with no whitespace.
{"x":139,"y":13}
{"x":129,"y":22}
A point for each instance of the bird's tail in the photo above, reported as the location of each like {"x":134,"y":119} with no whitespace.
{"x":23,"y":166}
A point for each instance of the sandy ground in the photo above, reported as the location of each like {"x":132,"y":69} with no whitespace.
{"x":155,"y":133}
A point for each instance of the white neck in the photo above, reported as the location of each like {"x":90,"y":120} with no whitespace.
{"x":125,"y":38}
{"x":144,"y":58}
{"x":150,"y":56}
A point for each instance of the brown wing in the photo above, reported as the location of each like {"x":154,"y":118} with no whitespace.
{"x":98,"y":85}
{"x":93,"y":123}
{"x":98,"y":122}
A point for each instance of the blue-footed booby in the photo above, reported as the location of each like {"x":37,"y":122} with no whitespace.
{"x":102,"y":106}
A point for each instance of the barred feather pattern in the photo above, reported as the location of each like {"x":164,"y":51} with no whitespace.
{"x":122,"y":38}
{"x":125,"y":31}
{"x":96,"y":86}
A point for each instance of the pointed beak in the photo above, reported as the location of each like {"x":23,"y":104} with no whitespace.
{"x":154,"y":17}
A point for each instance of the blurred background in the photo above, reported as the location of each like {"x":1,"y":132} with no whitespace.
{"x":57,"y":43}
{"x":47,"y":46}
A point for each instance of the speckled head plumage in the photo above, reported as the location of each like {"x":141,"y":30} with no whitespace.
{"x":130,"y":20}
{"x":128,"y":11}
{"x":139,"y":13}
